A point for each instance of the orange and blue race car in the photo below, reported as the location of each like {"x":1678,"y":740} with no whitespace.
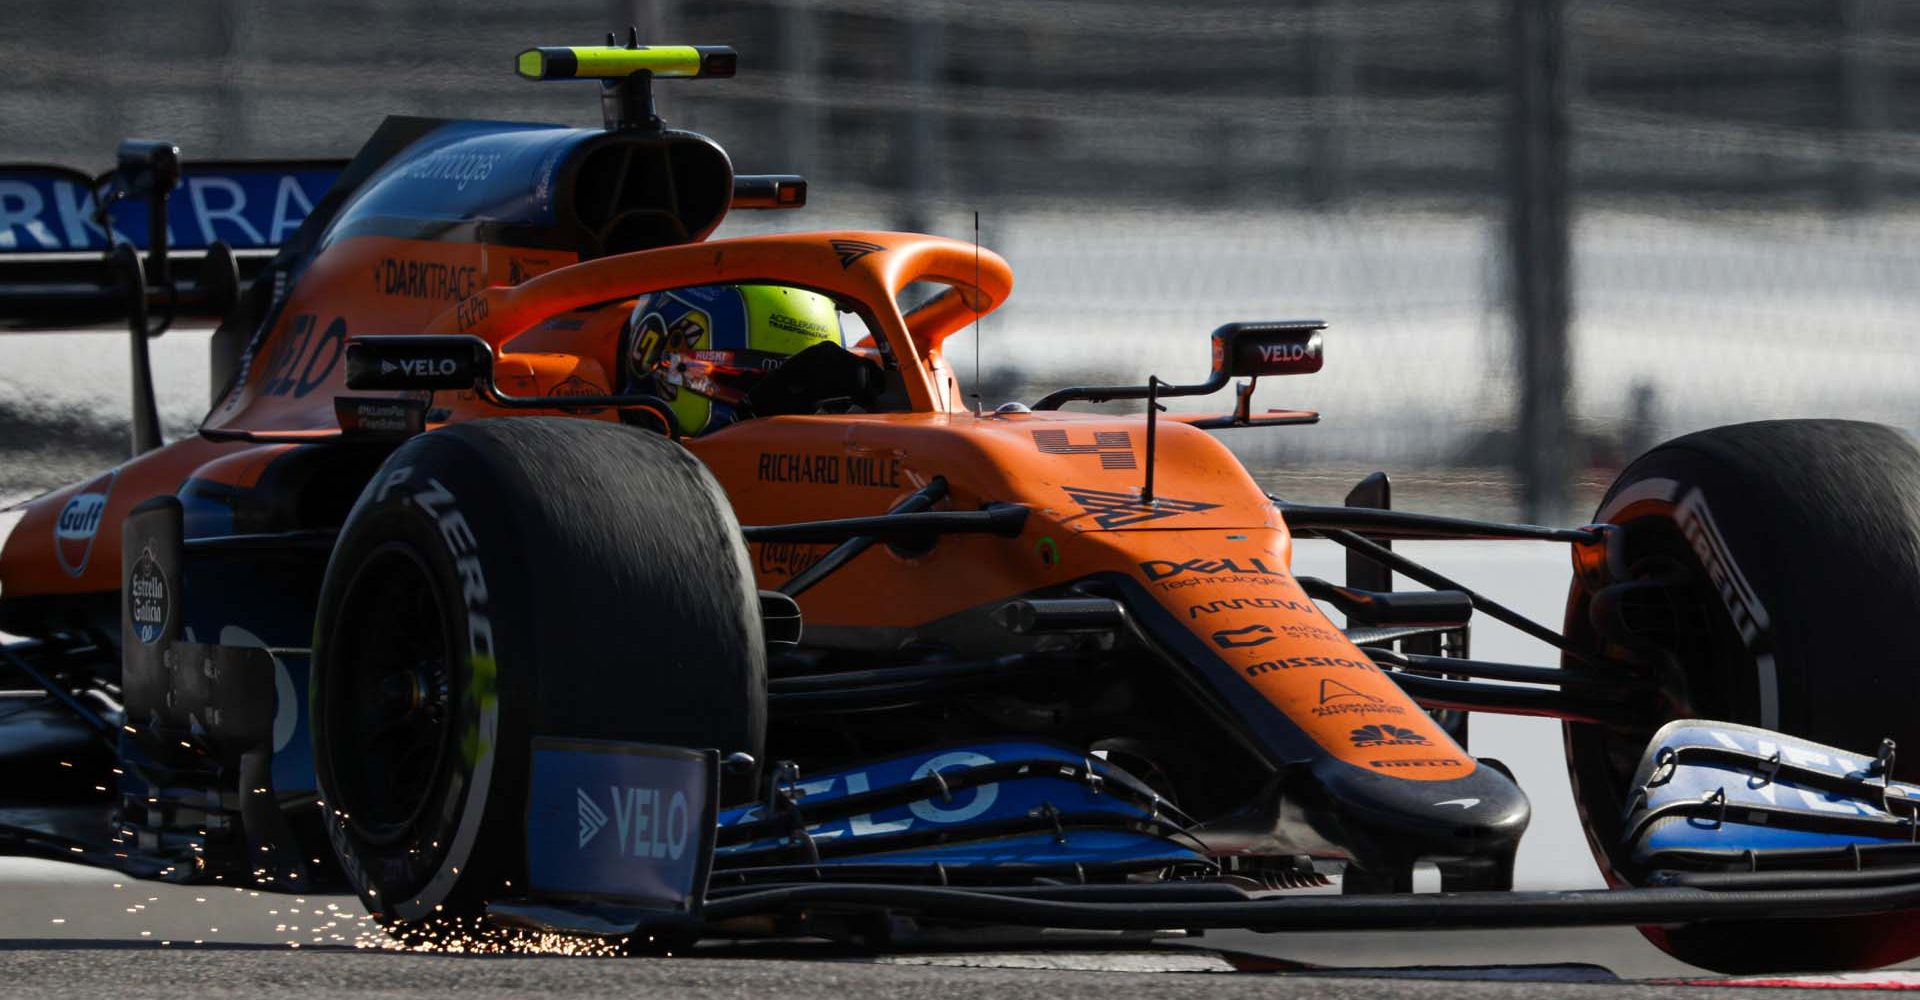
{"x":542,"y":563}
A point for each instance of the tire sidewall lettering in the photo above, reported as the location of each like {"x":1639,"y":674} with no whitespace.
{"x":425,"y":504}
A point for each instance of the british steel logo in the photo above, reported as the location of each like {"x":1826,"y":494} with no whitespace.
{"x":79,"y":522}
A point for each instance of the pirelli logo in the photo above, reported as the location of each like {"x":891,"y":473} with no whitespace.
{"x":1115,"y":448}
{"x":1743,"y":606}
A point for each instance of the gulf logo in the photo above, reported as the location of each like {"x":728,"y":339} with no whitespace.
{"x":79,"y":522}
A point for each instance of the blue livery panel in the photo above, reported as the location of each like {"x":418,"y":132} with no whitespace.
{"x":631,"y":823}
{"x":252,"y":206}
{"x":1093,"y":825}
{"x":470,"y":171}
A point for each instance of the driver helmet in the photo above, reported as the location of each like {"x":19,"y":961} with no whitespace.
{"x":700,"y":350}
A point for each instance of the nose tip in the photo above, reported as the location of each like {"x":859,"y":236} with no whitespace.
{"x":1388,"y":823}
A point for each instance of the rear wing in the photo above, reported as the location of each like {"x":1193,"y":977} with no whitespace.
{"x":250,"y":205}
{"x":58,"y":228}
{"x":224,"y":219}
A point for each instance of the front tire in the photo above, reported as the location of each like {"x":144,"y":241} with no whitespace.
{"x":1789,"y":553}
{"x":502,"y":580}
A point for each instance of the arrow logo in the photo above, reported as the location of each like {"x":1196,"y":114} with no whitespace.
{"x":592,"y":818}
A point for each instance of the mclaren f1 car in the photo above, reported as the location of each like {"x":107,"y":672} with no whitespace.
{"x":495,"y":587}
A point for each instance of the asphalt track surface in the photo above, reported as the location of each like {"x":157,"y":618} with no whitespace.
{"x":72,"y":931}
{"x":217,"y":974}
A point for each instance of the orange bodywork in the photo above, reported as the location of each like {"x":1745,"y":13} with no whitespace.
{"x":1211,"y":549}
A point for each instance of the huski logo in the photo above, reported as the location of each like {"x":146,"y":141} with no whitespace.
{"x":1388,"y":736}
{"x":1118,"y":510}
{"x":851,"y":250}
{"x":592,"y":818}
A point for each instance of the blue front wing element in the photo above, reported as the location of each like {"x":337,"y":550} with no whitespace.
{"x":1053,"y":808}
{"x":612,"y":827}
{"x":1711,"y":790}
{"x":627,"y":822}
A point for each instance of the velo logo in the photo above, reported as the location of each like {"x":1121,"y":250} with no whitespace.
{"x":651,"y":822}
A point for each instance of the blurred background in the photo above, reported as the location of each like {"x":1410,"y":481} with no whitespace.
{"x":1546,"y":233}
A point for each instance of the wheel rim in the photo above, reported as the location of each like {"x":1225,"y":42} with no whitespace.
{"x":388,"y":700}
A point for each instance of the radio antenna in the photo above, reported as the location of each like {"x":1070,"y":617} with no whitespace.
{"x":979,"y":406}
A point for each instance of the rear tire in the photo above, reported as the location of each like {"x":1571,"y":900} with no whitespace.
{"x":504,"y":579}
{"x":1799,"y":545}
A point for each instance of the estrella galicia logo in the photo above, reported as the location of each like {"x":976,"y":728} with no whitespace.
{"x":1119,"y":510}
{"x":1241,"y":638}
{"x":1387,"y":736}
{"x":593,"y":819}
{"x":147,"y":604}
{"x":851,"y":250}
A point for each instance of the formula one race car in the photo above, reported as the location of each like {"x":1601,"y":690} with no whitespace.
{"x":449,"y":598}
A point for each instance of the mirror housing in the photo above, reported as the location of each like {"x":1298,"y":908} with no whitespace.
{"x":146,"y":167}
{"x":418,"y":362}
{"x":1251,"y":350}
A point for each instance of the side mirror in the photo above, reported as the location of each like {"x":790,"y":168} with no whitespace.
{"x":1290,"y":347}
{"x":418,"y":362}
{"x":147,"y":166}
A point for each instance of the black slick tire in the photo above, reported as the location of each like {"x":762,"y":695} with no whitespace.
{"x":506,"y":579}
